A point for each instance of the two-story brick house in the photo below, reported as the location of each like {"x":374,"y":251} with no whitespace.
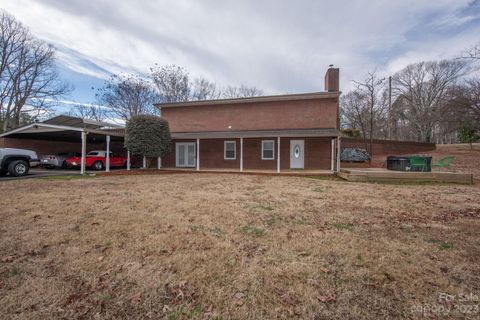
{"x":278,"y":133}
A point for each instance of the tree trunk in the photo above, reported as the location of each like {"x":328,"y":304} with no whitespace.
{"x":5,"y":124}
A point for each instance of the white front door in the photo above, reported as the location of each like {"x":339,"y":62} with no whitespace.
{"x":185,"y":154}
{"x":297,"y":154}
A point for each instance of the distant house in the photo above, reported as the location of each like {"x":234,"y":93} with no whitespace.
{"x":282,"y":132}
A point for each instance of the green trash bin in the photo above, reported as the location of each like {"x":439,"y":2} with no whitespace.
{"x":420,"y":163}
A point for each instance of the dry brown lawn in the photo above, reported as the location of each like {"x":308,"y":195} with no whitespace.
{"x":228,"y":246}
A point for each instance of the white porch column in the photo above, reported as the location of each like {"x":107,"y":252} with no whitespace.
{"x":128,"y":160}
{"x":198,"y":154}
{"x":332,"y":167}
{"x":278,"y":154}
{"x":144,"y":165}
{"x":241,"y":154}
{"x":107,"y":166}
{"x":159,"y":163}
{"x":84,"y":151}
{"x":338,"y":154}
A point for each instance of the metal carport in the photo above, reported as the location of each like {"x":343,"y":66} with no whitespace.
{"x":72,"y":129}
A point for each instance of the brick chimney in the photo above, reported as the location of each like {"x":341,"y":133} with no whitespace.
{"x":332,"y":79}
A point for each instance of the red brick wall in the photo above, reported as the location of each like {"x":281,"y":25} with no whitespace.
{"x":300,"y":114}
{"x":41,"y":147}
{"x":389,"y":147}
{"x":212,"y":154}
{"x":317,"y":154}
{"x":252,"y":155}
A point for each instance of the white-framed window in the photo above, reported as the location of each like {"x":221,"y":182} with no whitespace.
{"x":230,"y":150}
{"x":268,"y":149}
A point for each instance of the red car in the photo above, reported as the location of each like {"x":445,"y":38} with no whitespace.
{"x":97,"y":160}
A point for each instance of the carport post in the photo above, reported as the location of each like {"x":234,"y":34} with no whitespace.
{"x":332,"y":167}
{"x":128,"y":160}
{"x":84,"y":151}
{"x":144,"y":162}
{"x":278,"y":154}
{"x":107,"y":167}
{"x":198,"y":154}
{"x":241,"y":154}
{"x":159,"y":163}
{"x":338,"y":154}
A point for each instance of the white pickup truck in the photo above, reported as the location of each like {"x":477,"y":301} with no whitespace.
{"x":17,"y":162}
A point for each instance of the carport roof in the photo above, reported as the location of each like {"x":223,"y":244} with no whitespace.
{"x":69,"y":121}
{"x":66,"y":128}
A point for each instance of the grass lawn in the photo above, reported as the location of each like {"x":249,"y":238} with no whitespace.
{"x":227,"y":246}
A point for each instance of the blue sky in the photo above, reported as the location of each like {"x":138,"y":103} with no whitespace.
{"x":278,"y":46}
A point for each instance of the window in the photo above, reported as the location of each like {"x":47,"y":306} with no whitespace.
{"x":230,"y":150}
{"x":268,"y":147}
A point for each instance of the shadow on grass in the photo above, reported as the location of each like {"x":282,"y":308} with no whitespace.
{"x":413,"y":183}
{"x":70,"y":177}
{"x":327,"y":178}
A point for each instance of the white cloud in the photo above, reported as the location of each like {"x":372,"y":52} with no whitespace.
{"x":76,"y":103}
{"x":444,"y":48}
{"x":279,"y":46}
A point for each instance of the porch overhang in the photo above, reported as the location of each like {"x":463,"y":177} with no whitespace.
{"x":321,"y":132}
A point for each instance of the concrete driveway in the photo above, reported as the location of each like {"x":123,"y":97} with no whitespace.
{"x":41,"y":172}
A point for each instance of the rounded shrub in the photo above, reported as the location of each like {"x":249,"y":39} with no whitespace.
{"x":148,"y":136}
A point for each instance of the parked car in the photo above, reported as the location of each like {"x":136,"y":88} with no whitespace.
{"x":96,"y":160}
{"x":50,"y":161}
{"x":17,"y":162}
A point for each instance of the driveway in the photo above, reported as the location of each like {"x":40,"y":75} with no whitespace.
{"x":40,"y":172}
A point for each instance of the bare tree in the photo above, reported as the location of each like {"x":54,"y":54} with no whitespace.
{"x":172,"y":83}
{"x":29,"y":81}
{"x":240,"y":92}
{"x":453,"y":113}
{"x":370,"y":90}
{"x":203,"y":89}
{"x":473,"y":53}
{"x":93,"y":112}
{"x":424,"y":89}
{"x":472,"y":102}
{"x":398,"y":120}
{"x":354,"y":112}
{"x":127,"y":95}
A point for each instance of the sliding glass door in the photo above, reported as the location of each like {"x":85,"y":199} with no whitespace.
{"x":185,"y":154}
